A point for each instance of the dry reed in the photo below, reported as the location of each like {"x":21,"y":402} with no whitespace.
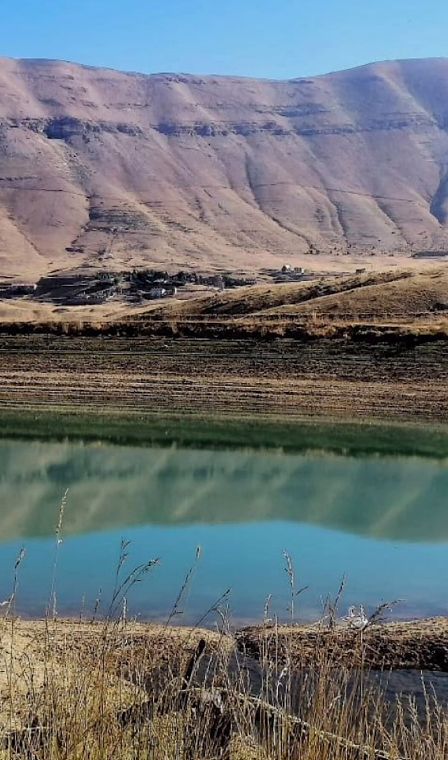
{"x":91,"y":690}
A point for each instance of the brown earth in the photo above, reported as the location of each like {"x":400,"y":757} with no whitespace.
{"x":31,"y":648}
{"x":380,"y":297}
{"x":152,"y":686}
{"x":120,"y":170}
{"x":327,"y":377}
{"x":370,"y":346}
{"x":416,"y":645}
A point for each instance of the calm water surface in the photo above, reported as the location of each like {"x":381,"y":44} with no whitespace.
{"x":382,"y":521}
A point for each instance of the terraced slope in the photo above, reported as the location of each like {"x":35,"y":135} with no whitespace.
{"x":336,"y":378}
{"x":125,"y":170}
{"x":395,"y":366}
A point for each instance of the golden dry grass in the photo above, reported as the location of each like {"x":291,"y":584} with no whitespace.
{"x":115,"y":690}
{"x":403,"y":297}
{"x":380,"y":296}
{"x":90,"y":690}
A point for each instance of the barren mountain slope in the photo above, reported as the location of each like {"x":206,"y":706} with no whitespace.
{"x":117,"y":170}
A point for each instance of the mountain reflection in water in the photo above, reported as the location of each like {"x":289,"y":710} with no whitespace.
{"x":112,"y":487}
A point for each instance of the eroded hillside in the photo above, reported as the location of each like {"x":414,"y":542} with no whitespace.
{"x":116,"y":169}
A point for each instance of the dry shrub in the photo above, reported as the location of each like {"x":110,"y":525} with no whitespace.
{"x":86,"y":690}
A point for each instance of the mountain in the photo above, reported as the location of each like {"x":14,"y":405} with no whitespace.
{"x":120,"y":170}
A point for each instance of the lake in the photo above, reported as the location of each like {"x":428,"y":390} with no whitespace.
{"x":379,"y":518}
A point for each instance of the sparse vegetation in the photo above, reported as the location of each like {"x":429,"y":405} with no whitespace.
{"x":387,"y":303}
{"x":108,"y":179}
{"x":360,"y":374}
{"x":116,"y":689}
{"x":183,"y":199}
{"x":90,"y":689}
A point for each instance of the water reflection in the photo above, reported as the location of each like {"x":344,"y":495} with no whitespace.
{"x":114,"y":487}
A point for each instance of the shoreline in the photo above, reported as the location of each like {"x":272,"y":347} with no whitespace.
{"x":130,"y":684}
{"x":270,"y":433}
{"x":324,"y":379}
{"x":417,"y":644}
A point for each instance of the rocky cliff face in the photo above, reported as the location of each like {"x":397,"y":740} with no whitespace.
{"x":220,"y":173}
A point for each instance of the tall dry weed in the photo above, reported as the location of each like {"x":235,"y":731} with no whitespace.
{"x":95,"y":689}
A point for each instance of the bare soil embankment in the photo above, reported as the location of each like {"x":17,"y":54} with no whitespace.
{"x":370,"y":346}
{"x":135,"y":675}
{"x":350,"y":378}
{"x":412,"y":645}
{"x":416,"y":645}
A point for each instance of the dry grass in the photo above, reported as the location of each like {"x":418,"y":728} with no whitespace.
{"x":377,"y":297}
{"x":91,"y":690}
{"x":413,"y":300}
{"x":118,"y":690}
{"x":356,"y":378}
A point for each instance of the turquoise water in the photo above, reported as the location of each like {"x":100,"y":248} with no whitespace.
{"x":380,"y":521}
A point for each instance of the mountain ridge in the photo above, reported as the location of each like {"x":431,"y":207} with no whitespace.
{"x":243,"y":77}
{"x":112,"y":169}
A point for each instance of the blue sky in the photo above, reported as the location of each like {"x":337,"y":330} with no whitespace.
{"x":260,"y":38}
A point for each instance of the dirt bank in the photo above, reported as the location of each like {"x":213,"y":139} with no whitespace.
{"x":336,"y":378}
{"x":83,"y":684}
{"x":417,"y":645}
